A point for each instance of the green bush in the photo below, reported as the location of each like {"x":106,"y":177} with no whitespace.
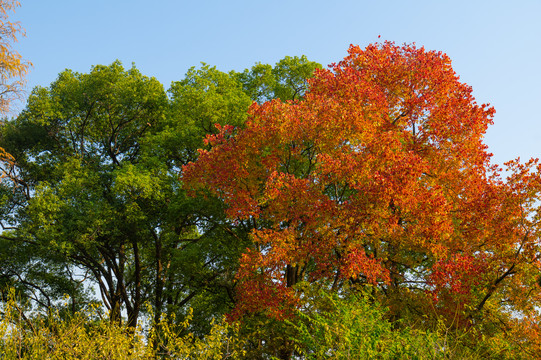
{"x":85,"y":335}
{"x":355,"y":326}
{"x":328,"y":326}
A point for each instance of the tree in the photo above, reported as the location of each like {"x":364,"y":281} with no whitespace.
{"x":93,"y":190}
{"x":204,"y":98}
{"x":379,"y":177}
{"x":23,"y":265}
{"x":78,"y":179}
{"x":12,"y":68}
{"x":287,"y":80}
{"x":197,"y":270}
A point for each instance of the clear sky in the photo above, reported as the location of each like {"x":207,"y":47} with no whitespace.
{"x":495,"y":45}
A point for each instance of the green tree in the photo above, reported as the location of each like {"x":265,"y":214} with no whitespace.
{"x":196,"y":270}
{"x":287,"y":80}
{"x":204,"y":98}
{"x":93,"y":189}
{"x":80,"y":172}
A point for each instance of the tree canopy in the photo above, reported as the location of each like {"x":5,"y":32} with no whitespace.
{"x":13,"y":68}
{"x":379,"y":178}
{"x":92,"y":194}
{"x":324,"y":212}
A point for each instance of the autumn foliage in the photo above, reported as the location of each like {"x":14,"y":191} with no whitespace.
{"x":351,"y":213}
{"x":380,"y":176}
{"x":12,"y":67}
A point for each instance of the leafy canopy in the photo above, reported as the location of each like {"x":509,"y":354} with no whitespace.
{"x":379,"y":176}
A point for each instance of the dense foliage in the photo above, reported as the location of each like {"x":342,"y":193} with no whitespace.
{"x":379,"y":178}
{"x":348,"y":212}
{"x":13,"y":68}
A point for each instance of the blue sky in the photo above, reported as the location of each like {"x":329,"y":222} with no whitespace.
{"x":495,"y":45}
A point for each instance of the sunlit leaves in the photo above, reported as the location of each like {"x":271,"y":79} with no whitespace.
{"x":379,"y":175}
{"x":12,"y":67}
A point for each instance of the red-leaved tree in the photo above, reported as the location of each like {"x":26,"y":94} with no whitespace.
{"x":378,"y":176}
